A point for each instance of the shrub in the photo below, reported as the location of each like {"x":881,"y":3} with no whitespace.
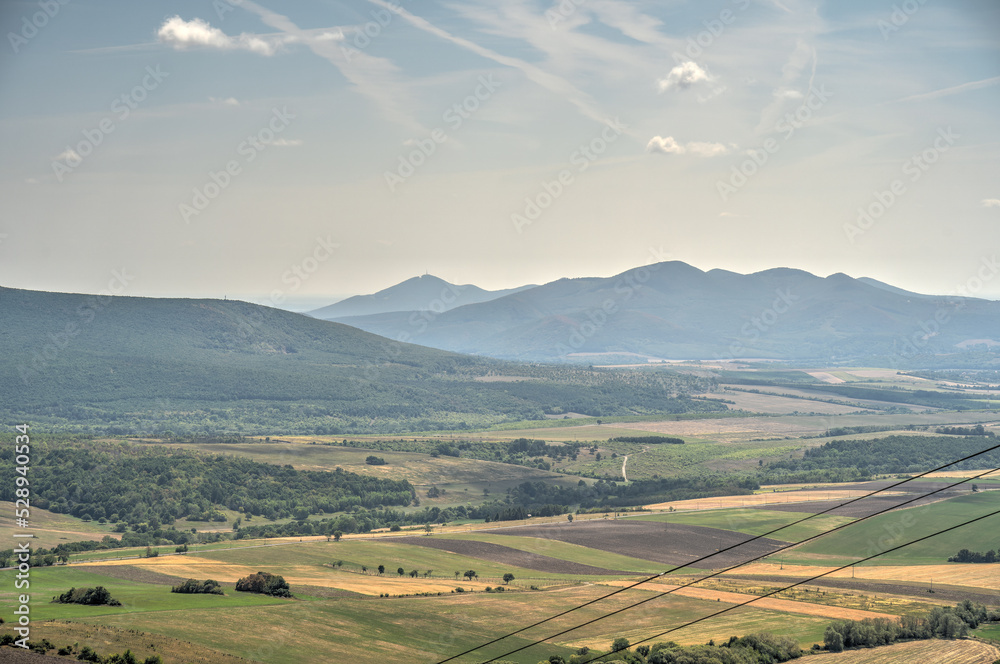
{"x":89,"y":596}
{"x":193,"y":586}
{"x":265,"y":584}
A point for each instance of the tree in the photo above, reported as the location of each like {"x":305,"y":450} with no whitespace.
{"x":337,"y":534}
{"x":413,"y":573}
{"x":364,"y":569}
{"x":470,"y":573}
{"x":833,"y":640}
{"x":508,"y":577}
{"x":400,"y":571}
{"x":457,"y":574}
{"x":381,"y":569}
{"x":569,"y":517}
{"x":619,"y":644}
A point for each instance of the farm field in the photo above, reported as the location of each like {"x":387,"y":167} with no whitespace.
{"x":744,"y":429}
{"x":50,"y":528}
{"x":756,"y":522}
{"x":895,"y":528}
{"x":936,"y":651}
{"x":667,"y":543}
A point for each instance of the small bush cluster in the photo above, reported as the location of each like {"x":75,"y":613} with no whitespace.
{"x":91,"y":596}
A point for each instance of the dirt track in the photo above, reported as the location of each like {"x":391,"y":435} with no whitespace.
{"x":668,"y":543}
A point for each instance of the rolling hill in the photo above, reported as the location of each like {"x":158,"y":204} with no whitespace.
{"x":676,"y":311}
{"x":129,"y":365}
{"x":423,"y":293}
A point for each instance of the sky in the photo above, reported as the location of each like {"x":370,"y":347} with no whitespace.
{"x":295,"y":153}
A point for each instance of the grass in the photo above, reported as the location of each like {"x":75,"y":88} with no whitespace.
{"x":49,"y":528}
{"x":372,"y":553}
{"x":135,"y":597}
{"x":755,"y":522}
{"x":419,"y":630}
{"x":988,"y":632}
{"x":899,"y":527}
{"x":109,"y":640}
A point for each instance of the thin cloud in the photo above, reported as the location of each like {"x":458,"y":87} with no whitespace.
{"x":560,"y":86}
{"x":374,"y":77}
{"x":286,"y":143}
{"x":669,"y":145}
{"x":991,"y":202}
{"x":183,"y":34}
{"x":954,"y":90}
{"x":683,"y":76}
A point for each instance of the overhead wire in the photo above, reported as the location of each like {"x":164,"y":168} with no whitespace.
{"x":809,"y":580}
{"x":742,"y":564}
{"x":715,"y":553}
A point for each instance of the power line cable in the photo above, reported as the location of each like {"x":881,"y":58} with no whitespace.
{"x":718,"y":552}
{"x":809,"y":580}
{"x":729,"y":569}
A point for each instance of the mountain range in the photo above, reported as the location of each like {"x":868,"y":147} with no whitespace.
{"x":132,"y":365}
{"x":423,"y":293}
{"x":672,"y":310}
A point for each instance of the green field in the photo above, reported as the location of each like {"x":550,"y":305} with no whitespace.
{"x":895,"y":528}
{"x":417,"y":630}
{"x":756,"y":522}
{"x":135,"y":597}
{"x":372,"y":553}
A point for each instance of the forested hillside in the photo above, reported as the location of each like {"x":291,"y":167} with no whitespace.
{"x":125,"y":365}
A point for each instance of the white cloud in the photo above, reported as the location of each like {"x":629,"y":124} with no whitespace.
{"x":991,"y":202}
{"x":181,"y":34}
{"x":683,"y":76}
{"x":708,"y":149}
{"x":70,"y":155}
{"x":665,"y":145}
{"x":286,"y":143}
{"x":668,"y":145}
{"x":229,"y":101}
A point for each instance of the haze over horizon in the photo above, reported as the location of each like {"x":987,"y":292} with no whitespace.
{"x":211,"y":149}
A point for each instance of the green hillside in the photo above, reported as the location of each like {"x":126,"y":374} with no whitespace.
{"x":128,"y":365}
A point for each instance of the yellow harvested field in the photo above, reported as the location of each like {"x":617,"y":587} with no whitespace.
{"x":936,"y":651}
{"x":193,"y":567}
{"x":724,"y":429}
{"x":777,"y":498}
{"x":962,"y":473}
{"x":976,"y":576}
{"x":776,"y":404}
{"x":770,"y":603}
{"x":825,"y":376}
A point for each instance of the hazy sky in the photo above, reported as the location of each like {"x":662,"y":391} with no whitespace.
{"x":322,"y":149}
